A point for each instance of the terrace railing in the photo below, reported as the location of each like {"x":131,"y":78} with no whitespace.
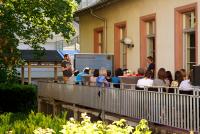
{"x":167,"y":106}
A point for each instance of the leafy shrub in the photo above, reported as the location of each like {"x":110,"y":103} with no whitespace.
{"x":8,"y":74}
{"x":3,"y":73}
{"x":17,"y":98}
{"x":99,"y":127}
{"x":41,"y":124}
{"x":18,"y":123}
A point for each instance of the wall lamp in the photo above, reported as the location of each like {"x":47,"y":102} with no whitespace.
{"x":128,"y":42}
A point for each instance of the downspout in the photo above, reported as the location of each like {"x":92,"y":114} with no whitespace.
{"x":105,"y":27}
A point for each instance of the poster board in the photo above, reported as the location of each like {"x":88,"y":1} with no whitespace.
{"x":94,"y":61}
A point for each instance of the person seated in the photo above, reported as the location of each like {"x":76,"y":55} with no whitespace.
{"x":76,"y":72}
{"x":116,"y":79}
{"x":93,"y":78}
{"x":101,"y":79}
{"x":178,"y":79}
{"x":184,"y":74}
{"x":108,"y":77}
{"x":186,"y":85}
{"x":79,"y":79}
{"x":168,"y":78}
{"x":146,"y":81}
{"x":140,"y":72}
{"x":124,"y":71}
{"x":127,"y":72}
{"x":160,"y":81}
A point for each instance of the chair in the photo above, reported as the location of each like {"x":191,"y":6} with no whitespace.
{"x":139,"y":88}
{"x":190,"y":92}
{"x":153,"y":89}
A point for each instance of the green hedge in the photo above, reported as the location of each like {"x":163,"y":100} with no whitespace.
{"x":17,"y":98}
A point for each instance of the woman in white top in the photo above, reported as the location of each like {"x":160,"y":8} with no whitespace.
{"x":186,"y":84}
{"x":146,"y":81}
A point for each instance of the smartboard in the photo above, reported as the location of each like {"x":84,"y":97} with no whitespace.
{"x":93,"y":61}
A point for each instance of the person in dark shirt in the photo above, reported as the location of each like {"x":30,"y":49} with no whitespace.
{"x":108,"y":77}
{"x":116,"y":79}
{"x":151,"y":65}
{"x":66,"y":68}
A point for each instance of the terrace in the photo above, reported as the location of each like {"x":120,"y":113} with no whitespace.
{"x":166,"y":106}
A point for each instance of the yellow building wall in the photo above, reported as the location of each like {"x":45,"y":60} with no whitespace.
{"x":131,"y":11}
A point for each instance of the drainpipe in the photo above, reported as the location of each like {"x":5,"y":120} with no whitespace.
{"x":105,"y":27}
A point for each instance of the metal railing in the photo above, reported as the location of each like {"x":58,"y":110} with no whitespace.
{"x":160,"y":105}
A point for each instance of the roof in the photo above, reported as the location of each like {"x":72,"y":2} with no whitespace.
{"x":98,"y":5}
{"x":47,"y":56}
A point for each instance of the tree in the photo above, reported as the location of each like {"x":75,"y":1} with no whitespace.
{"x":33,"y":22}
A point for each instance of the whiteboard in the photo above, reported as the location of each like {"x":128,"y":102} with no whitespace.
{"x":93,"y":61}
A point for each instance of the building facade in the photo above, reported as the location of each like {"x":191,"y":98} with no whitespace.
{"x":166,"y":30}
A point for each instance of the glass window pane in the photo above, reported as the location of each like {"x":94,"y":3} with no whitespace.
{"x":189,"y":39}
{"x":190,"y":66}
{"x":150,"y":48}
{"x":189,"y":20}
{"x":192,"y":39}
{"x":123,"y":49}
{"x":150,"y":27}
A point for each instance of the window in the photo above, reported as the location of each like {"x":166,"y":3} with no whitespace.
{"x":98,"y":40}
{"x":151,"y":38}
{"x":147,"y":38}
{"x":185,"y":37}
{"x":120,"y":50}
{"x":123,"y":49}
{"x":189,"y":40}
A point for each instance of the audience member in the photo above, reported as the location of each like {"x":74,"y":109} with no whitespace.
{"x":76,"y":72}
{"x":140,"y":72}
{"x":168,"y":78}
{"x":79,"y":79}
{"x":184,"y":74}
{"x":186,"y":85}
{"x":108,"y":77}
{"x":93,"y":78}
{"x":178,"y":79}
{"x":160,"y":81}
{"x":146,"y":81}
{"x":151,"y":65}
{"x":125,"y":71}
{"x":101,"y":80}
{"x":116,"y":79}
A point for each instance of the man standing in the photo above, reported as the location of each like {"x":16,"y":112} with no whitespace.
{"x":151,"y":65}
{"x":66,"y":68}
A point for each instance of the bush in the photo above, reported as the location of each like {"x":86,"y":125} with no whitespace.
{"x":17,"y":98}
{"x":41,"y":124}
{"x":3,"y":73}
{"x":8,"y":74}
{"x":18,"y":123}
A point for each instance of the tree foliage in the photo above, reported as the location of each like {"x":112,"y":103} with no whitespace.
{"x":35,"y":21}
{"x":32,"y":22}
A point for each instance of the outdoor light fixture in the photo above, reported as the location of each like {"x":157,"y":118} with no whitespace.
{"x":128,"y":42}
